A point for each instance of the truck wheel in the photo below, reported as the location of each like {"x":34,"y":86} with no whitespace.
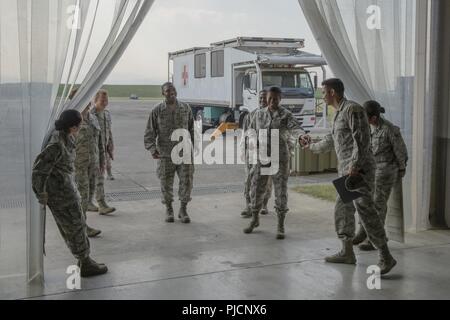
{"x":241,"y":119}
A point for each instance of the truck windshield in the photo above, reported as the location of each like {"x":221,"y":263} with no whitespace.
{"x":300,"y":82}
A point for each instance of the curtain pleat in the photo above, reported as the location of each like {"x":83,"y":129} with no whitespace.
{"x":51,"y":58}
{"x":374,"y":63}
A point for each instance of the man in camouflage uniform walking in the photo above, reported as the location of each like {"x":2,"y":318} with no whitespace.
{"x":391,"y":157}
{"x":103,"y":117}
{"x":271,"y":119}
{"x":350,"y":138}
{"x":247,"y":212}
{"x":89,"y":158}
{"x":165,"y":118}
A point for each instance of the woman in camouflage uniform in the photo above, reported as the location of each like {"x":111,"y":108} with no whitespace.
{"x":391,"y":156}
{"x":53,"y":182}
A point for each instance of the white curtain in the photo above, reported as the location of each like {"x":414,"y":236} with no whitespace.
{"x":370,"y":45}
{"x":46,"y":47}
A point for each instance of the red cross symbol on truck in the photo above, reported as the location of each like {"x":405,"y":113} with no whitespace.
{"x":185,"y":76}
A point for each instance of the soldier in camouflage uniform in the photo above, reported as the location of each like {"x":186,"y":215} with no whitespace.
{"x":391,"y":157}
{"x":53,"y":182}
{"x":247,"y":212}
{"x":350,"y":138}
{"x":89,"y":161}
{"x":164,"y":119}
{"x":103,"y":117}
{"x":274,"y":117}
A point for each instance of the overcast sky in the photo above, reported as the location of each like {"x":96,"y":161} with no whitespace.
{"x":173,"y":25}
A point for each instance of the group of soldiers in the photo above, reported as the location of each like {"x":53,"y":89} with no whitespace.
{"x":94,"y":152}
{"x":370,"y":150}
{"x":71,"y":170}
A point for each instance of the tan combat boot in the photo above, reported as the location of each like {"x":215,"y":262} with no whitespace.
{"x":183,"y":215}
{"x":247,"y":212}
{"x":253,"y":224}
{"x":264,"y":211}
{"x":92,"y":207}
{"x":109,"y":175}
{"x":170,"y":216}
{"x":90,"y":268}
{"x":280,"y":230}
{"x":386,"y":262}
{"x":345,"y":256}
{"x":92,"y":233}
{"x":104,"y":209}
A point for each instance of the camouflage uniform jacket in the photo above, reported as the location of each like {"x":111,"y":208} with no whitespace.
{"x":53,"y":170}
{"x":388,"y":145}
{"x":282,"y":120}
{"x":246,"y":126}
{"x":162,"y":123}
{"x":350,"y":138}
{"x":105,"y":122}
{"x":89,"y":144}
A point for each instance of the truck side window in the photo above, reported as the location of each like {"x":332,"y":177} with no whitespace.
{"x":305,"y":81}
{"x":253,"y":82}
{"x":200,"y":65}
{"x":247,"y":81}
{"x":217,"y":63}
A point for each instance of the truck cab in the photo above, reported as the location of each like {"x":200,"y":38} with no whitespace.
{"x":296,"y":86}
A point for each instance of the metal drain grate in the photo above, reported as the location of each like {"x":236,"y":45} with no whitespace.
{"x":140,"y":195}
{"x":12,"y":203}
{"x":132,"y":196}
{"x":156,"y":194}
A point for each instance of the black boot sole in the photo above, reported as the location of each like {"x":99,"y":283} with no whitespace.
{"x":384,"y":272}
{"x":93,"y":273}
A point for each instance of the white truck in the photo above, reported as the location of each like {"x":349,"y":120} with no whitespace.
{"x":221,"y":82}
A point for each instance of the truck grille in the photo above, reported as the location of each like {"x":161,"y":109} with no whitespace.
{"x":295,"y":109}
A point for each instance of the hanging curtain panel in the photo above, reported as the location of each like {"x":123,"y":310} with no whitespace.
{"x":47,"y":47}
{"x":370,"y":45}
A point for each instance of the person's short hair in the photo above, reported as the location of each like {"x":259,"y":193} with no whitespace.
{"x":167,"y":84}
{"x":73,"y":93}
{"x":68,"y":119}
{"x":262,"y":92}
{"x":275,"y":90}
{"x":336,"y":84}
{"x":373,"y":109}
{"x":101,"y":93}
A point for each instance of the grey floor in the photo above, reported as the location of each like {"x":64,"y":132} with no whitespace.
{"x":211,"y":258}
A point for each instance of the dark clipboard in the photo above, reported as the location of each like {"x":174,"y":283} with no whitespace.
{"x":345,"y":195}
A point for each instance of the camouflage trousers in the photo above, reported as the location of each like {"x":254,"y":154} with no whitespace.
{"x":248,"y":185}
{"x":166,"y":173}
{"x":345,"y":215}
{"x":86,"y":177}
{"x":385,"y":179}
{"x":96,"y":185}
{"x":108,"y":163}
{"x":262,"y":183}
{"x":71,"y":223}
